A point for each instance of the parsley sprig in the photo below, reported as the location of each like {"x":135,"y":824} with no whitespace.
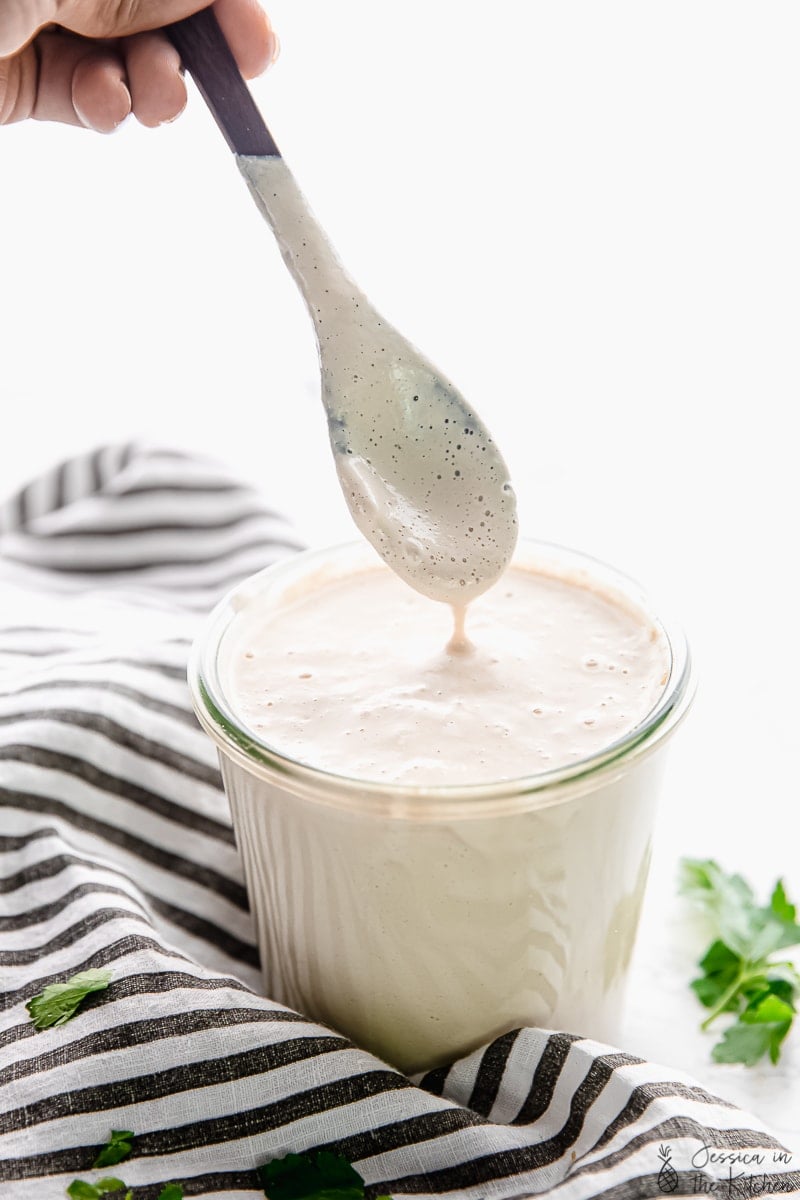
{"x":80,"y":1190}
{"x":740,"y":974}
{"x":59,"y":1002}
{"x":117,"y":1148}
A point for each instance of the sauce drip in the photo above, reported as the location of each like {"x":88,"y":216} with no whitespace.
{"x":459,"y":642}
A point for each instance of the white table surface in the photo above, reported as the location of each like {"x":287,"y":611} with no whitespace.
{"x":587,"y":215}
{"x":662,"y":1015}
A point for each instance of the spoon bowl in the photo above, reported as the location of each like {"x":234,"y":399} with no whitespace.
{"x":421,"y":475}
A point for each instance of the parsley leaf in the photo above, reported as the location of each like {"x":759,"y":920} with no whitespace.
{"x":117,"y":1148}
{"x":739,"y":975}
{"x":80,"y":1190}
{"x":780,"y":905}
{"x":60,"y":1001}
{"x":173,"y":1191}
{"x":759,"y":1031}
{"x":316,"y":1176}
{"x":720,"y":966}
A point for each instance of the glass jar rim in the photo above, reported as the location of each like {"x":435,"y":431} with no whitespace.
{"x":534,"y":790}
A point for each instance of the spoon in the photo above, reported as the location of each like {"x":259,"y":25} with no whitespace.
{"x":422,"y":478}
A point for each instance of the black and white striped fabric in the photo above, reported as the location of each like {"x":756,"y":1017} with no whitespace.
{"x":116,"y":850}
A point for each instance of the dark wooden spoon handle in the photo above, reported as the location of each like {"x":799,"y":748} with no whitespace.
{"x":208,"y":59}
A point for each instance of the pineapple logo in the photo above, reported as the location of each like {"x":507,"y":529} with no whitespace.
{"x":667,"y":1176}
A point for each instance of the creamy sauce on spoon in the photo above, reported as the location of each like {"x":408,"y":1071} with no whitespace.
{"x":423,"y":479}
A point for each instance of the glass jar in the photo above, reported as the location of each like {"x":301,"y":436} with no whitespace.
{"x":424,"y":921}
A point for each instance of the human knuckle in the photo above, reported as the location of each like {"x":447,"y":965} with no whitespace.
{"x":18,"y":83}
{"x":119,"y":16}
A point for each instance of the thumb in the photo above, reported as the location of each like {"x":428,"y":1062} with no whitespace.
{"x":21,"y":20}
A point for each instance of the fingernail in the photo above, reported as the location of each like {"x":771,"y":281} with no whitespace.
{"x":276,"y":48}
{"x":169,"y":120}
{"x":111,"y":121}
{"x":105,"y":127}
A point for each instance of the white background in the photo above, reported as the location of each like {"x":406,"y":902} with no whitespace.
{"x":589,"y":215}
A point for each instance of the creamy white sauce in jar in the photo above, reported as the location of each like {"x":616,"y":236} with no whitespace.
{"x":357,"y":677}
{"x":395,"y":902}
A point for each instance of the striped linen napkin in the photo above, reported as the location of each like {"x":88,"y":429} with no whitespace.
{"x":116,"y":850}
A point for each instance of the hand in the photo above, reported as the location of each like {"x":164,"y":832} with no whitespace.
{"x":106,"y":59}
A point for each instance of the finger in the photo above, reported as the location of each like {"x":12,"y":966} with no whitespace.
{"x":153,"y":69}
{"x":76,"y":84}
{"x":100,"y":94}
{"x":59,"y":56}
{"x":18,"y":81}
{"x":66,"y":79}
{"x":249,"y":34}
